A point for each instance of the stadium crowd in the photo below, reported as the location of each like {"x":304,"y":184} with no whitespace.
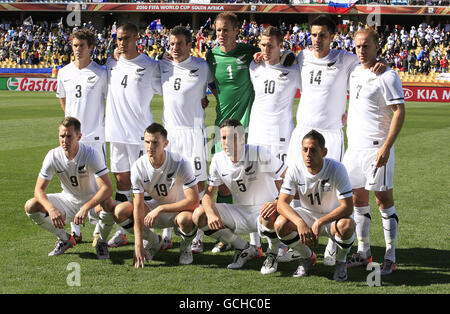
{"x":415,"y":49}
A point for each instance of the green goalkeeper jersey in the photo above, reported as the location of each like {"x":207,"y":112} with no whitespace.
{"x":232,"y":77}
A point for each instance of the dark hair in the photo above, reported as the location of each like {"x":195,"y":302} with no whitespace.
{"x":325,"y":20}
{"x":181,"y":30}
{"x":273,"y":31}
{"x":71,"y":121}
{"x":84,"y":34}
{"x":129,"y":28}
{"x":233,"y":123}
{"x":156,"y":128}
{"x":230,"y":16}
{"x":313,"y":134}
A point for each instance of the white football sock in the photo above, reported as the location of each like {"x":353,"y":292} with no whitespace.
{"x":128,"y":225}
{"x":390,"y":226}
{"x":343,"y":247}
{"x":74,"y":228}
{"x":187,"y":237}
{"x":227,"y":236}
{"x":150,"y":236}
{"x":105,"y":225}
{"x":255,"y":239}
{"x":199,"y":236}
{"x":292,"y":240}
{"x":44,"y":221}
{"x":271,"y":236}
{"x":363,"y":221}
{"x":167,"y":233}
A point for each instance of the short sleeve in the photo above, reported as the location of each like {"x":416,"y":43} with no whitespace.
{"x":185,"y":172}
{"x":289,"y":183}
{"x":392,"y":89}
{"x":137,"y":186}
{"x":343,"y":186}
{"x":214,"y":178}
{"x":270,"y":163}
{"x":60,"y":91}
{"x":98,"y":164}
{"x":47,"y":170}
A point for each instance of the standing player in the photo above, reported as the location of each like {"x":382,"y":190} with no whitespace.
{"x":169,"y":180}
{"x":370,"y":156}
{"x":132,"y":81}
{"x":82,"y":88}
{"x":249,"y":172}
{"x":326,"y":206}
{"x":275,"y":87}
{"x":85,"y":182}
{"x":184,"y":81}
{"x":229,"y":65}
{"x":325,"y":74}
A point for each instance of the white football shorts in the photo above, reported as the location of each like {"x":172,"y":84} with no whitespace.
{"x":67,"y":206}
{"x":165,"y":220}
{"x":309,"y":217}
{"x":123,"y":156}
{"x":360,"y":165}
{"x":239,"y":219}
{"x":334,"y":142}
{"x":191,"y":144}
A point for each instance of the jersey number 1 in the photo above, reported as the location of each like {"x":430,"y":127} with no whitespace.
{"x":311,"y":198}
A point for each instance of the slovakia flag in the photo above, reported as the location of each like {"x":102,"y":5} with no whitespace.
{"x":341,"y":6}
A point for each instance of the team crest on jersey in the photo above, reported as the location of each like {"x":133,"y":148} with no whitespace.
{"x":139,"y":71}
{"x":91,"y":79}
{"x":82,"y":169}
{"x":371,"y":81}
{"x":240,"y":60}
{"x":170,"y":175}
{"x":330,"y":66}
{"x":193,"y":73}
{"x":325,"y":186}
{"x":283,"y":76}
{"x":250,"y":170}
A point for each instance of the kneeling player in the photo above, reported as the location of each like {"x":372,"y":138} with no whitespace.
{"x":249,"y":172}
{"x":86,"y":184}
{"x":326,"y":206}
{"x":169,"y":180}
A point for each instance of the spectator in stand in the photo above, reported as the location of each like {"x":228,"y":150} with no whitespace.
{"x":444,"y":65}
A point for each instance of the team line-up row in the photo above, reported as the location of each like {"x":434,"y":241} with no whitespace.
{"x":284,"y":184}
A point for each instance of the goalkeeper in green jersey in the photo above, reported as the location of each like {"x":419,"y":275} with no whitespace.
{"x":229,"y":64}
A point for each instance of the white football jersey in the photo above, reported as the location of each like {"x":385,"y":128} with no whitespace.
{"x":184,"y":84}
{"x":131,"y":86}
{"x":85,"y":92}
{"x":78,"y":175}
{"x":369,"y":112}
{"x":324,"y":88}
{"x":165,"y":184}
{"x":252,"y":179}
{"x":318,"y":193}
{"x":271,"y":117}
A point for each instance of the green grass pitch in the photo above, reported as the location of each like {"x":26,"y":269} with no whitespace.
{"x":28,"y":129}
